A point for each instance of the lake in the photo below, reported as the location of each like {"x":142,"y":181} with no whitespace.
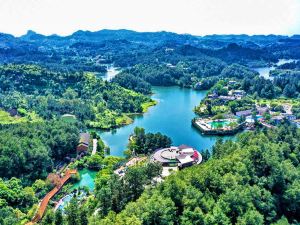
{"x":111,"y":73}
{"x":171,"y":116}
{"x":265,"y":71}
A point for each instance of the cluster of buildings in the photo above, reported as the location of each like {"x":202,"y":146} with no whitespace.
{"x":276,"y":117}
{"x":171,"y":159}
{"x":230,"y":124}
{"x":279,"y":118}
{"x":232,"y":95}
{"x":181,"y":156}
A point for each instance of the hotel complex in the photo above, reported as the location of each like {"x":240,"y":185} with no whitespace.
{"x":181,"y":156}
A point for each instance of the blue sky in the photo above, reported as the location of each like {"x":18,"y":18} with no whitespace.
{"x":199,"y":17}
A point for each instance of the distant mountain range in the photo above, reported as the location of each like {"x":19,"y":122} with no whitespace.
{"x":126,"y":47}
{"x":210,"y":41}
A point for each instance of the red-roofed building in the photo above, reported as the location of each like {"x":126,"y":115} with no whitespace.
{"x":83,"y":142}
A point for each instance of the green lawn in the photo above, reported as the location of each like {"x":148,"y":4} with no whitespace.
{"x":5,"y":118}
{"x":147,"y":105}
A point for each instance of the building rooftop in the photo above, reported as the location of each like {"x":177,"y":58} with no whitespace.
{"x":184,"y":159}
{"x":84,"y":138}
{"x":182,"y":154}
{"x":244,"y":113}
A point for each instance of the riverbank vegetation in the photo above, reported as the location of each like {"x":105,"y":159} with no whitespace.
{"x":141,"y":142}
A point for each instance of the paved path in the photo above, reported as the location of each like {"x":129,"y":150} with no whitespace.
{"x":267,"y":125}
{"x":44,"y":203}
{"x":95,"y":142}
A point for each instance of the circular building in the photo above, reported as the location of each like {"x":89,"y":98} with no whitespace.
{"x":181,"y":156}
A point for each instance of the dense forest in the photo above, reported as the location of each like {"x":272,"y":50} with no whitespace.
{"x":29,"y":151}
{"x":254,"y":180}
{"x":31,"y":88}
{"x":146,"y":143}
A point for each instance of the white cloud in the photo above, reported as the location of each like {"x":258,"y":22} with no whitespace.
{"x":183,"y":16}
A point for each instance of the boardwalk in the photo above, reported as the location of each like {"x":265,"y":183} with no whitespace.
{"x":43,"y":205}
{"x":95,"y":142}
{"x":267,"y":125}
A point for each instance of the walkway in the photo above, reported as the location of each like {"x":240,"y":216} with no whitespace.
{"x":95,"y":142}
{"x":43,"y":205}
{"x":267,"y":125}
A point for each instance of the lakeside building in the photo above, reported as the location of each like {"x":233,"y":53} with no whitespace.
{"x":227,"y":98}
{"x":212,"y":96}
{"x":13,"y":112}
{"x":232,"y":82}
{"x":244,"y":113}
{"x":277,"y":119}
{"x":262,"y":110}
{"x":239,"y":93}
{"x":84,"y":141}
{"x":181,"y":156}
{"x":289,"y":116}
{"x":297,"y":123}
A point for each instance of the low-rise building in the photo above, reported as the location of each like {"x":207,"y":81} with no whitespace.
{"x":13,"y":112}
{"x":297,"y":123}
{"x":181,"y":156}
{"x":244,"y":113}
{"x":289,"y":116}
{"x":227,"y":98}
{"x":262,"y":110}
{"x":238,"y":93}
{"x":212,"y":96}
{"x":277,"y":119}
{"x":232,"y":82}
{"x":84,"y":141}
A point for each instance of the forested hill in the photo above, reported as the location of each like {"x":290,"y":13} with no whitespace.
{"x":254,"y":180}
{"x":88,"y":51}
{"x":51,"y":94}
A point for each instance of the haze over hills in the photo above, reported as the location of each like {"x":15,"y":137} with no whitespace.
{"x":106,"y":42}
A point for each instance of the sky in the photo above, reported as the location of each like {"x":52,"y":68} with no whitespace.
{"x":198,"y":17}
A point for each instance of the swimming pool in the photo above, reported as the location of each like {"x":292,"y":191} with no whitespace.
{"x":218,"y":124}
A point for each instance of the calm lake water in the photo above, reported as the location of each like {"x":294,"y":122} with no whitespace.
{"x":111,"y":73}
{"x":171,"y":116}
{"x":265,"y":71}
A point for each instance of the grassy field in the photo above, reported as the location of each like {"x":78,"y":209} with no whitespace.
{"x":279,"y":101}
{"x":147,"y":105}
{"x":123,"y":120}
{"x":5,"y":118}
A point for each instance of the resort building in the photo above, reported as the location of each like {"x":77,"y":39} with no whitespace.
{"x":226,"y":98}
{"x":212,"y":96}
{"x":244,"y":113}
{"x":297,"y":123}
{"x":13,"y":112}
{"x":239,"y":93}
{"x":262,"y":110}
{"x":181,"y":156}
{"x":277,"y":119}
{"x":289,"y":116}
{"x":232,"y":82}
{"x":84,"y":141}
